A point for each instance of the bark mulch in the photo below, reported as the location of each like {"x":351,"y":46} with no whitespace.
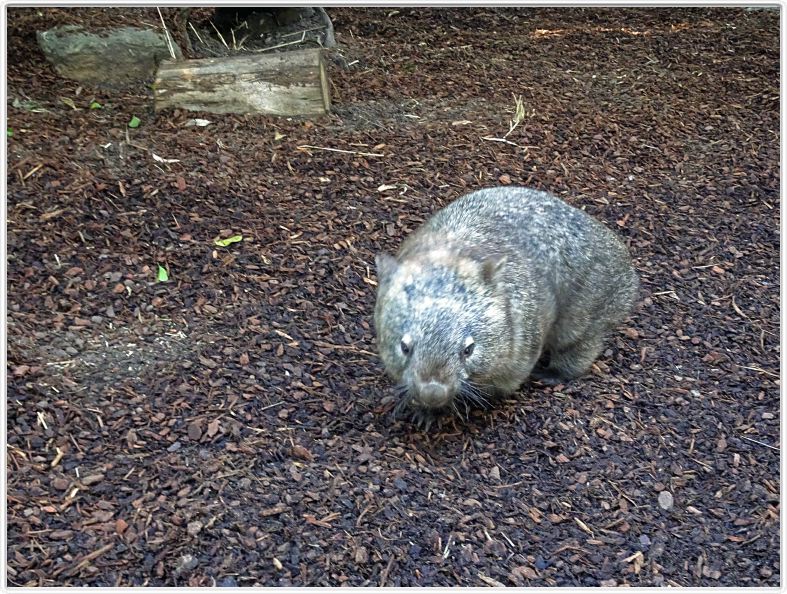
{"x":231,"y":426}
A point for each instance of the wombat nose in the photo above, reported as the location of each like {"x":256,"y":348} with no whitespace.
{"x":433,"y":394}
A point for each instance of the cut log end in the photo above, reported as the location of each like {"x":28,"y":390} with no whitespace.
{"x":285,"y":84}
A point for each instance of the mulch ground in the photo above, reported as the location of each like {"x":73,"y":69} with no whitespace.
{"x":232,"y":426}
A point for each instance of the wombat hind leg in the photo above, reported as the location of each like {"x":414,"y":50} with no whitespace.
{"x":571,"y":362}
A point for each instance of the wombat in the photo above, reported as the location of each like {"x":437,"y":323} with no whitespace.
{"x":502,"y":284}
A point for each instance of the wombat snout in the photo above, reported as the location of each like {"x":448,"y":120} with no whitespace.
{"x":432,"y":394}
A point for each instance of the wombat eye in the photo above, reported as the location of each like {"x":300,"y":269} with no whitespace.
{"x":469,"y":347}
{"x":406,"y":345}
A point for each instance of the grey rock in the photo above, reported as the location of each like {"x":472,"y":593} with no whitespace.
{"x":665,"y":500}
{"x":106,"y":57}
{"x":185,"y":564}
{"x":194,"y":528}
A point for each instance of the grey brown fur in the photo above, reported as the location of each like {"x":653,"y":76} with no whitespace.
{"x":501,"y":284}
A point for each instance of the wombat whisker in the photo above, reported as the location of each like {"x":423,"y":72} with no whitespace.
{"x":466,"y":399}
{"x":404,"y":401}
{"x":466,"y":414}
{"x":459,"y":413}
{"x":425,"y":421}
{"x":475,"y":393}
{"x":480,"y":391}
{"x":479,"y":387}
{"x":476,"y":399}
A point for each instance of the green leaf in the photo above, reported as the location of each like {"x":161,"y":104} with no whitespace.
{"x":163,"y":276}
{"x":229,"y":240}
{"x":134,"y":123}
{"x":96,"y":105}
{"x":9,"y":132}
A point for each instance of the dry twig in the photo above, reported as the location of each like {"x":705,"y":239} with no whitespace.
{"x":333,"y":150}
{"x":167,"y":35}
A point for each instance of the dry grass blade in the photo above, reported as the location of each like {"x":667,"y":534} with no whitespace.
{"x":333,"y":150}
{"x":221,"y":37}
{"x":519,"y":115}
{"x":167,"y":35}
{"x":273,"y":47}
{"x":196,"y":33}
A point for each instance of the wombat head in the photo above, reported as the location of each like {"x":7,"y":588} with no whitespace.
{"x":441,"y":326}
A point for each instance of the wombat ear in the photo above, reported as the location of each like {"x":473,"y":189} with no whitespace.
{"x":491,"y":267}
{"x":386,"y":266}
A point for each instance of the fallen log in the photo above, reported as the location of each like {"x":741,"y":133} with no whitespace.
{"x":283,"y":83}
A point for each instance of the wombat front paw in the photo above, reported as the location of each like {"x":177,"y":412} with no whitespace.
{"x":548,"y":377}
